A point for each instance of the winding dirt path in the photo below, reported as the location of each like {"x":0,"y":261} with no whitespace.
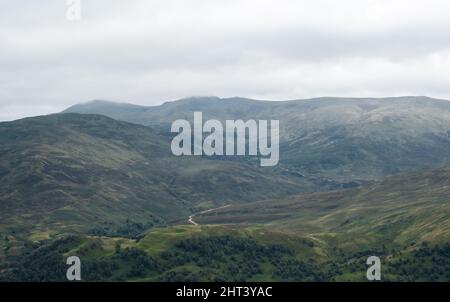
{"x":191,"y":217}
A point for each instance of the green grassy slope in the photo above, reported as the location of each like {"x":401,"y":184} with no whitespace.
{"x":218,"y":253}
{"x":401,"y":210}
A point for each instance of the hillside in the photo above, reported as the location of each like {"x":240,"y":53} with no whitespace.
{"x":111,"y":192}
{"x":90,"y":173}
{"x":345,"y":140}
{"x":401,"y":210}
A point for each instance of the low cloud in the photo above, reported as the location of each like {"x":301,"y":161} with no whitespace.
{"x":148,"y":52}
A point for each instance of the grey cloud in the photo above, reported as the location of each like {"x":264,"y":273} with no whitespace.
{"x":148,"y":52}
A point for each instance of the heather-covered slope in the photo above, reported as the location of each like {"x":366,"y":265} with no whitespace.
{"x":70,"y":172}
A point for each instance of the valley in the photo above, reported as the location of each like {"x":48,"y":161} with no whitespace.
{"x":357,"y":177}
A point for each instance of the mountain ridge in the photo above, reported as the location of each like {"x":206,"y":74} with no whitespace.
{"x":112,"y":192}
{"x":344,"y":139}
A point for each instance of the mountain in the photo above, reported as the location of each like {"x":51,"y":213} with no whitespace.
{"x":111,"y":192}
{"x":344,"y":140}
{"x":90,"y":173}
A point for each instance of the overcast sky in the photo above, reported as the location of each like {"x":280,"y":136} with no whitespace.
{"x":148,"y":52}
